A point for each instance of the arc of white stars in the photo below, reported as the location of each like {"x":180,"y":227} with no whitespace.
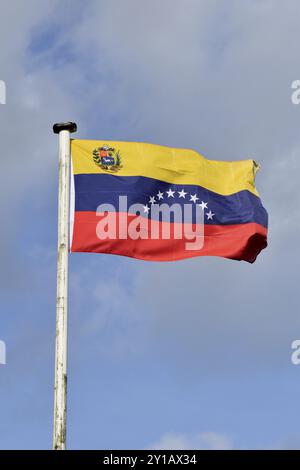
{"x":203,"y":205}
{"x":182,"y":193}
{"x":170,"y":193}
{"x":210,"y":215}
{"x":194,"y":198}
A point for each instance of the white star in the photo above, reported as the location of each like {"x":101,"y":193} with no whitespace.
{"x":170,"y":193}
{"x":210,"y":215}
{"x":160,"y":195}
{"x":152,"y":200}
{"x":203,"y":205}
{"x":146,"y":209}
{"x":182,"y":193}
{"x":194,"y":198}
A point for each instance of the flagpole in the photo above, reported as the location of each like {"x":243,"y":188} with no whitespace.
{"x":60,"y":388}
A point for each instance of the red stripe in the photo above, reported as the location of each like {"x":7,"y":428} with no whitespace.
{"x":241,"y":241}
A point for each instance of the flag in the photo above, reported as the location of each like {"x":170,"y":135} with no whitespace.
{"x":158,"y":203}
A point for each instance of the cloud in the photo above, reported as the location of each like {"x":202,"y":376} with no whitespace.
{"x":112,"y":324}
{"x":201,"y":441}
{"x":291,"y":442}
{"x":35,"y":100}
{"x":214,"y":441}
{"x":209,"y":75}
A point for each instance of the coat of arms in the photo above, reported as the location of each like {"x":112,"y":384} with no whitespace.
{"x":108,"y":158}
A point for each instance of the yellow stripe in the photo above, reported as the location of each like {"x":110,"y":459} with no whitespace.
{"x":178,"y":166}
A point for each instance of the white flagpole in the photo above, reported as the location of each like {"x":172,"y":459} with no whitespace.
{"x":60,"y":390}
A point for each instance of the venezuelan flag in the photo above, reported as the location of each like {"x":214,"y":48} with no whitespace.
{"x":234,"y":222}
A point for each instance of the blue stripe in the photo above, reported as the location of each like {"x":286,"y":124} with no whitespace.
{"x":91,"y":190}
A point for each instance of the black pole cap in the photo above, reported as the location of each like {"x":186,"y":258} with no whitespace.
{"x":64,"y":126}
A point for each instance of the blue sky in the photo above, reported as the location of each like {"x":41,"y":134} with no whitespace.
{"x":187,"y":354}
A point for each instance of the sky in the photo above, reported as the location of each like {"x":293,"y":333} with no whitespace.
{"x":190,"y":354}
